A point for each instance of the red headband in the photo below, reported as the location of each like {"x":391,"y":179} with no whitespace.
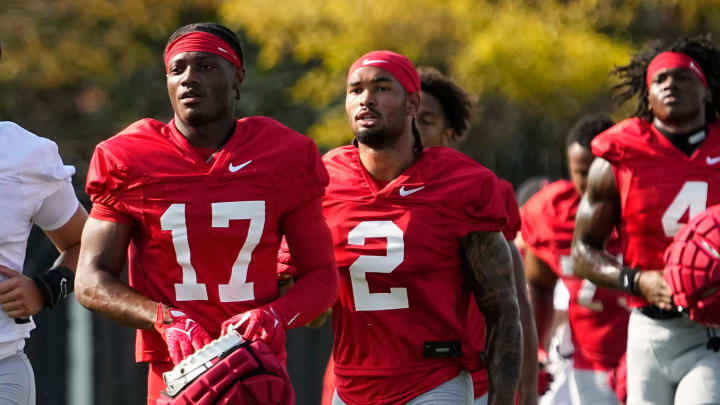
{"x":397,"y":65}
{"x":200,"y":41}
{"x":670,"y":60}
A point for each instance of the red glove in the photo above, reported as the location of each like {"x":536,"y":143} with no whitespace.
{"x":260,"y":324}
{"x":182,"y":335}
{"x":544,"y":377}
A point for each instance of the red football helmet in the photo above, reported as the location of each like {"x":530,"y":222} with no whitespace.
{"x":229,"y":370}
{"x":692,"y":267}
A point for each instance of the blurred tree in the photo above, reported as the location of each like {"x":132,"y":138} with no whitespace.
{"x":535,"y":64}
{"x":76,"y":71}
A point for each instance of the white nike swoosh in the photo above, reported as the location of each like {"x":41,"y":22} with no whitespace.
{"x":713,"y":160}
{"x":233,"y":169}
{"x":409,"y":191}
{"x":293,"y":318}
{"x":369,"y":61}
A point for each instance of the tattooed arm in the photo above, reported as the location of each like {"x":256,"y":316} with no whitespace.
{"x":488,"y":265}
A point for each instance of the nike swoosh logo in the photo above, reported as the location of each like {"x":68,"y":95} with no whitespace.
{"x":711,"y":161}
{"x":405,"y":193}
{"x":233,"y":169}
{"x":370,"y":61}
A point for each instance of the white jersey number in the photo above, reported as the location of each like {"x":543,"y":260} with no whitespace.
{"x":364,"y":299}
{"x":586,"y":295}
{"x":237,"y":289}
{"x":692,"y":196}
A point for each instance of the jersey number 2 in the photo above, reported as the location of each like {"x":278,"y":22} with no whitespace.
{"x":365,"y":300}
{"x":237,"y":288}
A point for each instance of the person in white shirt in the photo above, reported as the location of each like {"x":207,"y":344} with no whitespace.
{"x":35,"y":188}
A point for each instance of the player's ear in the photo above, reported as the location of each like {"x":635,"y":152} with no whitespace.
{"x":447,"y":138}
{"x":413,"y":103}
{"x":238,"y":79}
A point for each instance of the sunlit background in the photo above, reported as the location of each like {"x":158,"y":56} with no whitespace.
{"x":77,"y":71}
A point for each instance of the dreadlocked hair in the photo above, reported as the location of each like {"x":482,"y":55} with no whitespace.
{"x":456,"y":103}
{"x":418,"y":147}
{"x":225,"y":33}
{"x":632,"y":76}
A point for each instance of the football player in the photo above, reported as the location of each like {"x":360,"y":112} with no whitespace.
{"x":199,"y":205}
{"x":653,"y":173}
{"x":442,"y":120}
{"x":597,"y":316}
{"x":35,"y":188}
{"x":416,"y":235}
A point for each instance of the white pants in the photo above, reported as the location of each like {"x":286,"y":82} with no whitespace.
{"x":591,"y":387}
{"x":458,"y":391}
{"x":17,"y":382}
{"x":560,"y":365}
{"x":668,"y":363}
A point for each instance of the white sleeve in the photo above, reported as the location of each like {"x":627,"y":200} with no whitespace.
{"x":57,"y":209}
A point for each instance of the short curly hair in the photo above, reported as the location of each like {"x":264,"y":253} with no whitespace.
{"x":587,"y":128}
{"x":455,"y":101}
{"x":632,"y":76}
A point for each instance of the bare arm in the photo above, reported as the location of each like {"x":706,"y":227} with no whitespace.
{"x":529,"y":376}
{"x":97,"y":281}
{"x":597,"y":215}
{"x":541,"y":282}
{"x":489,"y":268}
{"x":67,"y":239}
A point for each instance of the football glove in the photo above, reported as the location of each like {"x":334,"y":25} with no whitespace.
{"x":182,"y":335}
{"x":261,"y":324}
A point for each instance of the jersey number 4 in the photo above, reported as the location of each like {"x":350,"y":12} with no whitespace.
{"x":693,"y":197}
{"x":237,"y":288}
{"x":365,"y":300}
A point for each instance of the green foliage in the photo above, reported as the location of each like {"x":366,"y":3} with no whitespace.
{"x":76,"y":71}
{"x":545,"y":62}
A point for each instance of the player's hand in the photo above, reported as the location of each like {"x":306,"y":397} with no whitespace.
{"x":182,"y":335}
{"x":259,"y":324}
{"x":545,"y":378}
{"x":652,"y":287}
{"x":20,"y":296}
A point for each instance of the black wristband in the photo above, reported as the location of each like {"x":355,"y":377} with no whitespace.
{"x":627,"y":280}
{"x":55,"y":284}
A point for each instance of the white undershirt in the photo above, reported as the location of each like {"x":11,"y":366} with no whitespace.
{"x":34,"y":188}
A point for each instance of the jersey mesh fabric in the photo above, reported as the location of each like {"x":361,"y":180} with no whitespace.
{"x":402,"y":282}
{"x":198,"y":225}
{"x":660,"y":188}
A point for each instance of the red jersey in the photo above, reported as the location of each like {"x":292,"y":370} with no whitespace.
{"x":402,"y":282}
{"x":660,"y":187}
{"x":206,"y":235}
{"x":598,"y":316}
